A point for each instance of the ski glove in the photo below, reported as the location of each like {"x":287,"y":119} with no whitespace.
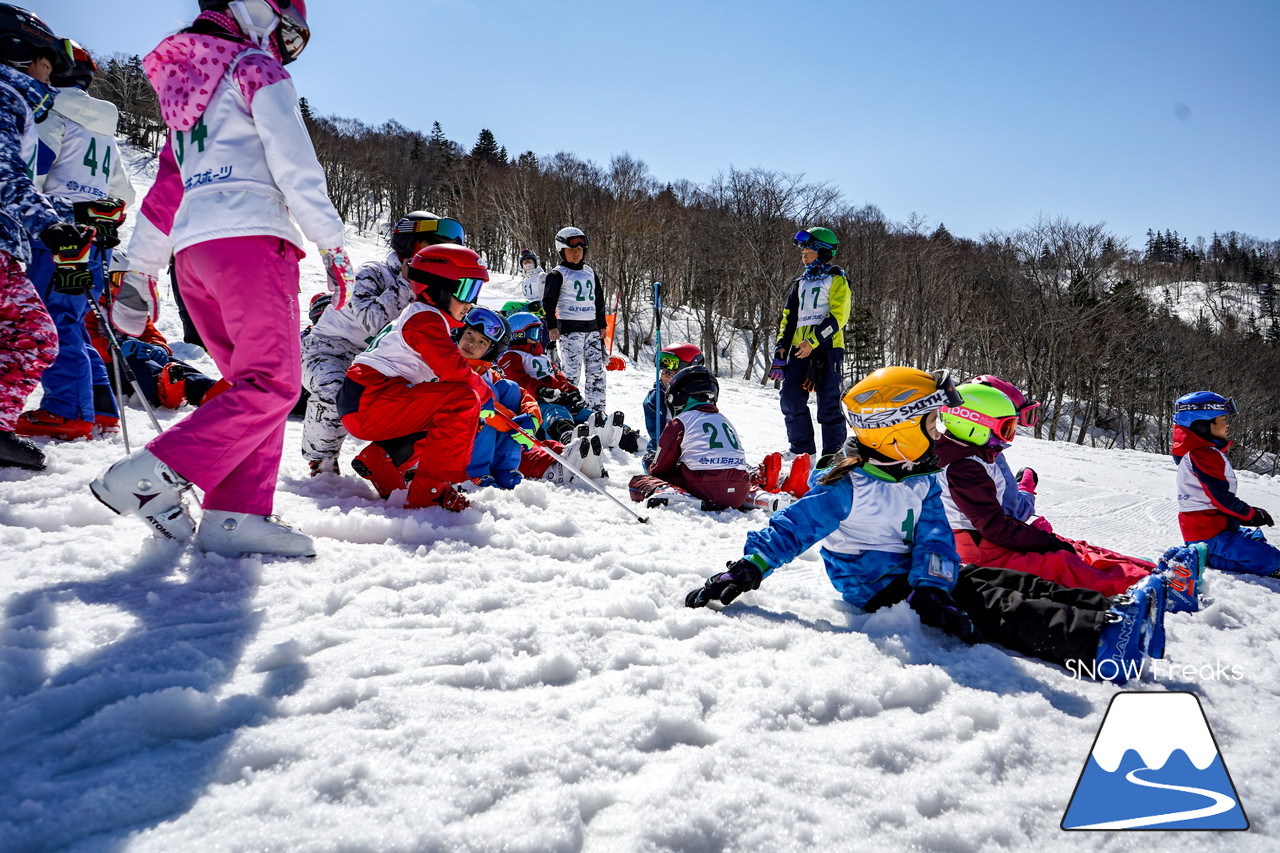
{"x":547,"y":394}
{"x":70,"y":246}
{"x":525,"y":422}
{"x":938,"y":609}
{"x":1041,"y":523}
{"x":779,"y":366}
{"x":574,"y":402}
{"x":106,"y":215}
{"x":338,"y":267}
{"x":1028,"y":480}
{"x":741,"y":576}
{"x":813,"y":376}
{"x":1259,"y":518}
{"x":135,"y":304}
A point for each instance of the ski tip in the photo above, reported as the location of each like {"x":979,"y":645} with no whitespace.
{"x":644,"y":519}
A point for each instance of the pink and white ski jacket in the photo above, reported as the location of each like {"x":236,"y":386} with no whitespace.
{"x":238,"y":161}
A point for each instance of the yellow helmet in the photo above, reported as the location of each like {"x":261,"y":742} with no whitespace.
{"x":887,"y":411}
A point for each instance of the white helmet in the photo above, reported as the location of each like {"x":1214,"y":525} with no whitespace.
{"x":567,"y":234}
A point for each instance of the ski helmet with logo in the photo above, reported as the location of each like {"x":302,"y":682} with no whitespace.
{"x":1190,"y":409}
{"x":1028,"y":409}
{"x":888,"y":411}
{"x":526,"y":331}
{"x":570,"y":237}
{"x":489,"y":323}
{"x":985,"y":416}
{"x":437,"y":273}
{"x":24,"y":36}
{"x":420,"y":228}
{"x":693,"y":386}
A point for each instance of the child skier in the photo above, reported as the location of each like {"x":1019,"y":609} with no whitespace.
{"x":29,"y":54}
{"x":671,"y":361}
{"x":80,"y":171}
{"x":497,"y":449}
{"x":698,"y":452}
{"x":378,"y":296}
{"x":574,"y":304}
{"x":237,"y":169}
{"x":1210,"y":513}
{"x":413,"y":394}
{"x":976,"y":433}
{"x":879,"y":516}
{"x":526,"y":363}
{"x":809,"y":354}
{"x":533,"y":284}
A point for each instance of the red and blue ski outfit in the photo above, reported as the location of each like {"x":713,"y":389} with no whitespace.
{"x":236,"y":173}
{"x":986,"y":534}
{"x":496,"y":456}
{"x":1209,"y":510}
{"x":527,"y":364}
{"x":28,"y":337}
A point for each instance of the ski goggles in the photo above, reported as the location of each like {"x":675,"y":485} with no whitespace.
{"x":669,"y":361}
{"x":805,"y":240}
{"x":577,"y":242}
{"x":293,"y":33}
{"x":449,"y":229}
{"x":1006,"y":428}
{"x":468,"y":289}
{"x":486,"y":322}
{"x":1029,"y":415}
{"x":1226,"y":406}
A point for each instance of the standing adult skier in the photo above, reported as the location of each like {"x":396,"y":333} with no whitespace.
{"x":238,"y":168}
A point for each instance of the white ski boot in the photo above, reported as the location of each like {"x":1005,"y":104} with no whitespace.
{"x":770,"y":502}
{"x":142,"y":486}
{"x":237,"y":534}
{"x":672,"y":496}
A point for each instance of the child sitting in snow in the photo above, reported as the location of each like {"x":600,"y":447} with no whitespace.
{"x":878,"y":513}
{"x":498,"y":447}
{"x":1210,"y":513}
{"x":413,"y":394}
{"x":671,"y":361}
{"x":699,"y":453}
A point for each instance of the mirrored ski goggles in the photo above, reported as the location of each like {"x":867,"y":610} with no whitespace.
{"x":1006,"y":427}
{"x":578,"y":242}
{"x":449,"y":229}
{"x":485,"y":321}
{"x":293,"y":32}
{"x":805,"y":240}
{"x":1029,"y":415}
{"x":468,"y":289}
{"x":669,"y":361}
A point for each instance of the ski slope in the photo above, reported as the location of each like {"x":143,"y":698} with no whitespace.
{"x":523,"y":676}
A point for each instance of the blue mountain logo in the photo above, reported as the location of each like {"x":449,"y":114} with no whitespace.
{"x":1154,"y":765}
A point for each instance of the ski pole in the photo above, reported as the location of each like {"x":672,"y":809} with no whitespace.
{"x":119,"y":359}
{"x":507,"y":416}
{"x":657,"y":351}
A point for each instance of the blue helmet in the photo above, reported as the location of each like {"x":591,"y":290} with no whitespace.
{"x":1201,"y":406}
{"x":525,"y":328}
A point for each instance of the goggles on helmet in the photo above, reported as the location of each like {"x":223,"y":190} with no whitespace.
{"x":578,"y":241}
{"x":669,"y":361}
{"x":450,"y":229}
{"x":1029,"y":414}
{"x":1006,"y":428}
{"x":1226,"y":407}
{"x":946,"y":395}
{"x":293,"y":33}
{"x":805,"y":240}
{"x":468,"y":290}
{"x":485,"y":320}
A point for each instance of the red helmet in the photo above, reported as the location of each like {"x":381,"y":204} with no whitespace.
{"x":686,"y":355}
{"x":441,"y":271}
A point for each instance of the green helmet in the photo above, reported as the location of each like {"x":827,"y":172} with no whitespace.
{"x":821,"y":240}
{"x":982,"y":413}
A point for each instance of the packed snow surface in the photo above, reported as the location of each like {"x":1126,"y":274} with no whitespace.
{"x":524,"y":676}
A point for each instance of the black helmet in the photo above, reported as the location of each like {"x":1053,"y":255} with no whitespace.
{"x":82,"y":68}
{"x":693,"y":386}
{"x":23,"y":37}
{"x":528,"y":255}
{"x":419,"y":227}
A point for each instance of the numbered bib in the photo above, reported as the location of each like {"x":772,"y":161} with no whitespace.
{"x":815,"y":301}
{"x":577,"y":295}
{"x":710,"y":442}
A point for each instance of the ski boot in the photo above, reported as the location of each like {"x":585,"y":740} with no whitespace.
{"x":796,"y":483}
{"x":768,"y":473}
{"x":40,"y":422}
{"x":375,"y":465}
{"x":238,"y":534}
{"x":1151,"y":593}
{"x":18,"y":452}
{"x":141,"y":485}
{"x":1183,"y":569}
{"x":672,"y":496}
{"x":427,"y":493}
{"x":1119,"y":656}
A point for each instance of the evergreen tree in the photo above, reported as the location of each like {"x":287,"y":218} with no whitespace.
{"x":486,"y":149}
{"x":304,"y":107}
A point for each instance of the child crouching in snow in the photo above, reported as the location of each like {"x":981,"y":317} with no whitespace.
{"x":498,"y":447}
{"x":879,"y":516}
{"x":1210,"y":513}
{"x":413,"y":394}
{"x":698,"y":452}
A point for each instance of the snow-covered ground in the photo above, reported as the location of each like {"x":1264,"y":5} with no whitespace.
{"x":523,"y":676}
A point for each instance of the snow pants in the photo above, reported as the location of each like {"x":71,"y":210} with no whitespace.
{"x":1243,"y":551}
{"x":325,"y":361}
{"x":496,"y":451}
{"x":726,"y":488}
{"x":242,"y":294}
{"x":28,"y":340}
{"x":1086,"y":566}
{"x":795,"y":403}
{"x":1031,"y":615}
{"x":76,"y":384}
{"x":581,"y":351}
{"x":445,"y":414}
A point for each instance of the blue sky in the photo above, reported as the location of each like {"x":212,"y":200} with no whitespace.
{"x":981,"y":115}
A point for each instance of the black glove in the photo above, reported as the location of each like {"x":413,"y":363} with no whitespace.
{"x":547,"y":394}
{"x":106,"y":215}
{"x":938,"y":609}
{"x":813,"y":375}
{"x":1059,"y":545}
{"x":70,"y":247}
{"x":1259,"y":518}
{"x":740,"y":577}
{"x":573,"y":401}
